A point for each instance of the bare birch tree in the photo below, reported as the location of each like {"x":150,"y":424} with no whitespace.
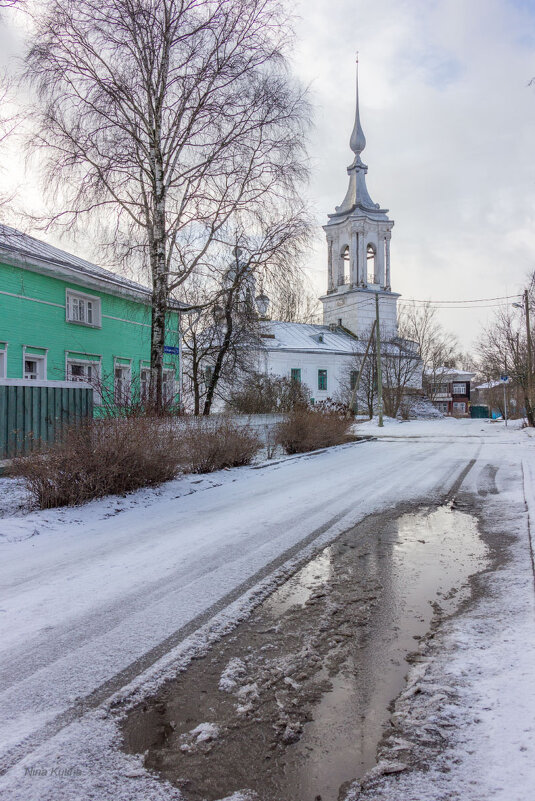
{"x":166,"y":121}
{"x":438,"y":348}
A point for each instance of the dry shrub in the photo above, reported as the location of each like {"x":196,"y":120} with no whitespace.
{"x":307,"y":429}
{"x":102,"y":457}
{"x":210,"y":443}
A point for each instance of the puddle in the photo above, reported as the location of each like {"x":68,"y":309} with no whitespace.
{"x":293,"y":703}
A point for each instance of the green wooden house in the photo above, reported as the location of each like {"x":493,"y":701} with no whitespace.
{"x":63,"y":319}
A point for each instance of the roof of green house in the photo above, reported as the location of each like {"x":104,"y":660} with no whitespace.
{"x":30,"y":252}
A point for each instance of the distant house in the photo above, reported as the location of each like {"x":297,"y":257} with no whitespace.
{"x":449,"y":390}
{"x":65,"y":319}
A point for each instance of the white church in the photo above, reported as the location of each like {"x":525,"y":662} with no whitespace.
{"x":358,"y":241}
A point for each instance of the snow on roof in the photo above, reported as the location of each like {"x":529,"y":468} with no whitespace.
{"x":277,"y":335}
{"x":28,"y":249}
{"x":489,"y":384}
{"x":449,"y":374}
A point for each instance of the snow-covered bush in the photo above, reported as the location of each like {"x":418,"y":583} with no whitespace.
{"x":307,"y":429}
{"x":213,"y":443}
{"x":102,"y":457}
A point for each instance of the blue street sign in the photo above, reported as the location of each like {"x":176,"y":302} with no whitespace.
{"x":171,"y":349}
{"x":504,"y":378}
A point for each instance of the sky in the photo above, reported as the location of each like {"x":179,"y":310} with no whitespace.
{"x":449,"y":119}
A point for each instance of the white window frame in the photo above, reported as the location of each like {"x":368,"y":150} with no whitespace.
{"x":456,"y":390}
{"x":72,"y":295}
{"x":3,"y":362}
{"x":83,"y":363}
{"x":126,"y":390}
{"x":459,"y":406}
{"x":95,"y":382}
{"x":40,"y":359}
{"x":169,"y":380}
{"x":144,"y":383}
{"x":168,"y":395}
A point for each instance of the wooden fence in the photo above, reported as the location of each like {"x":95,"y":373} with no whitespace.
{"x":34,"y":412}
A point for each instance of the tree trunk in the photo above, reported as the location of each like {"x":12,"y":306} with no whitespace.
{"x":160,"y":291}
{"x":220,"y":357}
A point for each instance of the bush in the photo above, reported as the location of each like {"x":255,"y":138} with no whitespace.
{"x":307,"y":429}
{"x":102,"y":457}
{"x":212,"y":443}
{"x":261,"y":393}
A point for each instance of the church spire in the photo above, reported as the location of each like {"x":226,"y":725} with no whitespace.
{"x":357,"y":195}
{"x":357,"y":143}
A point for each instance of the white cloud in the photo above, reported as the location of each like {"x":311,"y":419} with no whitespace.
{"x":450,"y":125}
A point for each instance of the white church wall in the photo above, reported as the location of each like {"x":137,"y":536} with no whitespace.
{"x":337,"y":365}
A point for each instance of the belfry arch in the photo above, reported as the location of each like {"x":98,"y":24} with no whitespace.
{"x":371,"y":263}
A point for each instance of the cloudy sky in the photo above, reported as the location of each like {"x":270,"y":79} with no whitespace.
{"x":450,"y":126}
{"x":449,"y":120}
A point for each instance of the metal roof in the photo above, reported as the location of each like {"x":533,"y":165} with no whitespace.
{"x":277,"y":335}
{"x":33,"y":251}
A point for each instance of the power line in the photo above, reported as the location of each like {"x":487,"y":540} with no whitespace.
{"x":464,"y":301}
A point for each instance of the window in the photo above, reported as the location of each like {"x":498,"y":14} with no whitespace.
{"x":353,"y":378}
{"x":144,"y":383}
{"x":82,"y":371}
{"x":295,"y":374}
{"x":168,"y":384}
{"x":121,"y":384}
{"x":370,"y":261}
{"x":459,"y":389}
{"x":34,"y":368}
{"x":459,"y":407}
{"x":3,"y":363}
{"x":83,"y":309}
{"x":322,"y":379}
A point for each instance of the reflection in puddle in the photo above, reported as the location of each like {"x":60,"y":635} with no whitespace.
{"x":310,"y":676}
{"x":300,"y":587}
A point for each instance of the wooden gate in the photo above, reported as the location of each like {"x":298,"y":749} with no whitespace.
{"x":32,"y":413}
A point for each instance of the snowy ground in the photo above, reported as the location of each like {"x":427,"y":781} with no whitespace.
{"x":101,"y":602}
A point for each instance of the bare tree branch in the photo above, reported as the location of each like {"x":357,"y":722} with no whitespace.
{"x":169,"y":123}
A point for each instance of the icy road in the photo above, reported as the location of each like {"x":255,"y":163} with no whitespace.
{"x":100,"y":603}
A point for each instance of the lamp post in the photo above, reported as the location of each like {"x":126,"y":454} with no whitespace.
{"x":525,"y":306}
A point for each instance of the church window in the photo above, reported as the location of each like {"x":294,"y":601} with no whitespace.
{"x":322,"y":379}
{"x":370,"y":261}
{"x":295,"y":374}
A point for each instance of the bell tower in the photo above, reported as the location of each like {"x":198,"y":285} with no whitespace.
{"x":358,"y":241}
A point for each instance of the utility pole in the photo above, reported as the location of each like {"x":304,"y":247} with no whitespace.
{"x":379,"y":368}
{"x":530,"y":360}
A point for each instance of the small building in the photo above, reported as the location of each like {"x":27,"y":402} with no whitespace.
{"x":449,"y":390}
{"x":324,"y":358}
{"x":65,"y":319}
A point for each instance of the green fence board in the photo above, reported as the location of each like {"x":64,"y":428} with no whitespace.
{"x":30,"y":415}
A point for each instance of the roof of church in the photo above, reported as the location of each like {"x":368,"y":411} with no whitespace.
{"x":277,"y":335}
{"x":306,"y":337}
